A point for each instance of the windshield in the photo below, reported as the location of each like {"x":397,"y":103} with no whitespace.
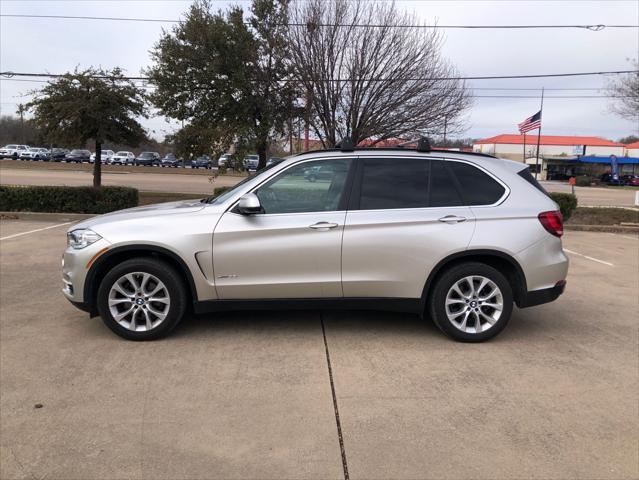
{"x":11,"y":146}
{"x":224,"y":196}
{"x":77,"y":152}
{"x":123,"y":154}
{"x":146,"y":154}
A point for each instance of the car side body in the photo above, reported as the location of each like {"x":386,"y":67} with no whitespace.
{"x":13,"y":151}
{"x":363,"y":249}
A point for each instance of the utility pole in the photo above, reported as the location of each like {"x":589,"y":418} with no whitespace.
{"x":541,"y":116}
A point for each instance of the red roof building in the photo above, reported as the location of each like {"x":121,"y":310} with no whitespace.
{"x":512,"y":146}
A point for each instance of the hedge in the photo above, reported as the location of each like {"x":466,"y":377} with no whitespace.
{"x":567,"y":203}
{"x":66,"y":199}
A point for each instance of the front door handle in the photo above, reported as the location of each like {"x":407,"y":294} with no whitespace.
{"x":323,"y":225}
{"x":452,"y":219}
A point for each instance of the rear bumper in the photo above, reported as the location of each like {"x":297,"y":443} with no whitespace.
{"x":545,"y":295}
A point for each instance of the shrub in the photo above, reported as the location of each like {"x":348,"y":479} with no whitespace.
{"x":67,"y":199}
{"x":583,"y":181}
{"x":567,"y":203}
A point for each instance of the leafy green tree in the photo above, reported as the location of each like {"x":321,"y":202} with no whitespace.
{"x":92,"y":104}
{"x":217,"y":70}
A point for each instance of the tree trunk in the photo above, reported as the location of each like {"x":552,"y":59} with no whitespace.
{"x":262,"y":148}
{"x":97,"y":165}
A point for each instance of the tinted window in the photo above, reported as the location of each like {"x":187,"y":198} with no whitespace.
{"x":394,"y":183}
{"x":477,"y":188}
{"x":443,"y":192}
{"x":527,"y":175}
{"x":307,"y":187}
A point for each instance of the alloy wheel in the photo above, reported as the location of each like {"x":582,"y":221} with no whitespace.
{"x":474,"y":304}
{"x":139,"y":301}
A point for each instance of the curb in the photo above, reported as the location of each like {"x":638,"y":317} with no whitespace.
{"x":602,"y":228}
{"x":52,"y":217}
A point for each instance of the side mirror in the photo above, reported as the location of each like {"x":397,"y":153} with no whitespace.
{"x":249,"y":204}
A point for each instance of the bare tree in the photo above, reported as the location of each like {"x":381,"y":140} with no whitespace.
{"x":381,"y":80}
{"x":625,"y":91}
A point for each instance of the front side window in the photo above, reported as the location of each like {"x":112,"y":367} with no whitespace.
{"x":308,"y":187}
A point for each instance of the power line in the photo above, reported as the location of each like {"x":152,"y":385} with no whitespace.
{"x":573,"y":89}
{"x":9,"y":74}
{"x":591,"y":27}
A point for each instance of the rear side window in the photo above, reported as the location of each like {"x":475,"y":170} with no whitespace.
{"x":527,"y":175}
{"x":443,"y":192}
{"x":477,"y":188}
{"x":394,"y":183}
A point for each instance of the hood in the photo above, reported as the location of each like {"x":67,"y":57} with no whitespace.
{"x":138,"y":213}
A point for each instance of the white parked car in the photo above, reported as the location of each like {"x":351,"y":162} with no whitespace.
{"x":122,"y":158}
{"x":13,"y":151}
{"x":106,"y":156}
{"x":34,"y":153}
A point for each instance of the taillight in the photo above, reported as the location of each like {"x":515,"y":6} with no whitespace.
{"x":553,"y":222}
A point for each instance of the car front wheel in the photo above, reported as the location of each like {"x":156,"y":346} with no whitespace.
{"x":142,"y":299}
{"x":471,"y":302}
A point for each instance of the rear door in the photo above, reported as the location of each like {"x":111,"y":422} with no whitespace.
{"x":405,"y":215}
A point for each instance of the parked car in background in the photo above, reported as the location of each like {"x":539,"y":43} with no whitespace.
{"x":105,"y":157}
{"x":170,"y":160}
{"x":632,"y":180}
{"x":608,"y":179}
{"x":13,"y":151}
{"x":223,"y":160}
{"x":458,"y":238}
{"x":148,"y":159}
{"x":58,"y":154}
{"x":78,"y":156}
{"x":203,"y":161}
{"x":122,"y":158}
{"x":34,"y":153}
{"x":251,"y":162}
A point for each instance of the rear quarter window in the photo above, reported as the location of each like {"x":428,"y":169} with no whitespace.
{"x":527,"y":175}
{"x":476,"y":186}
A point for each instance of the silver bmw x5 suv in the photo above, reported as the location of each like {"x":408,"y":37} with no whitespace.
{"x":455,"y":237}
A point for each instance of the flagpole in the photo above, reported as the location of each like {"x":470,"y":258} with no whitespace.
{"x":524,"y":147}
{"x":541,"y":115}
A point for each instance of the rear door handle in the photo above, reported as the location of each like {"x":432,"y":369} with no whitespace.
{"x":323,"y":225}
{"x":452,"y":219}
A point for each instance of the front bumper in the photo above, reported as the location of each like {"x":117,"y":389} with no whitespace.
{"x":75,"y":267}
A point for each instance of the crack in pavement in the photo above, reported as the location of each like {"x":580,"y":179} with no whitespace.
{"x":337,"y":420}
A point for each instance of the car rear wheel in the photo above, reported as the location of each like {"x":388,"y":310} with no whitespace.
{"x":471,"y":302}
{"x":142,"y":299}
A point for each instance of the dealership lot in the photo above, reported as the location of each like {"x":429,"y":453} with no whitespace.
{"x":248,"y":395}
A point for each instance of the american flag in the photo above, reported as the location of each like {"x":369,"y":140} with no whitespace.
{"x":530,"y":123}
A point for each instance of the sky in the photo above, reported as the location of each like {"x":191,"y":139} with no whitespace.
{"x":60,"y":45}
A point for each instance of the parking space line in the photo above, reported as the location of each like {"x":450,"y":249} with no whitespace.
{"x":34,"y":231}
{"x":589,"y":258}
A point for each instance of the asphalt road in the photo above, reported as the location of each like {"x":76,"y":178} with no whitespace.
{"x":248,"y":395}
{"x":181,"y":183}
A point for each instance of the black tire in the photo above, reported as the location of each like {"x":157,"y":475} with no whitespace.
{"x":437,"y":300}
{"x":167,"y":275}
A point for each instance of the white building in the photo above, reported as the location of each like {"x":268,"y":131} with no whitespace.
{"x":512,"y":146}
{"x":632,"y":150}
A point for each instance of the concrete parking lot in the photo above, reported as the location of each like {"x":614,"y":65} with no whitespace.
{"x":248,"y":395}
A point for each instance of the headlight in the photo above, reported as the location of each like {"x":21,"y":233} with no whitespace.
{"x":82,"y":238}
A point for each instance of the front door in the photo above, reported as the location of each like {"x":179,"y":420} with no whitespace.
{"x":293,"y":248}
